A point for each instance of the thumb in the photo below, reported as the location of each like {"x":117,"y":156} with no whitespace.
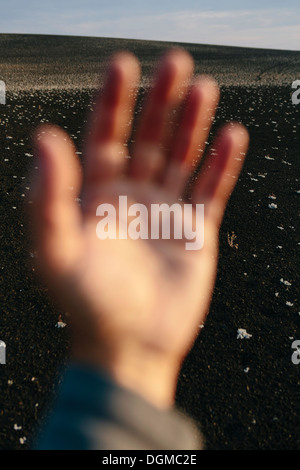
{"x":56,"y":217}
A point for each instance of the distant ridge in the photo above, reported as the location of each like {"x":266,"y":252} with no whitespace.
{"x":40,"y":62}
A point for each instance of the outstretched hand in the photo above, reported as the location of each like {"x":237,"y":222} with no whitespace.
{"x":135,"y":305}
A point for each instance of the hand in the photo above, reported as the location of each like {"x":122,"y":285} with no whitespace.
{"x":135,"y":305}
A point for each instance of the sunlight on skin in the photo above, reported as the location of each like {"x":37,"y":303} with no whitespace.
{"x":136,"y":305}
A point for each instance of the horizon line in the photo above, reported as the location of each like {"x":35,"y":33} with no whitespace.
{"x":151,"y":40}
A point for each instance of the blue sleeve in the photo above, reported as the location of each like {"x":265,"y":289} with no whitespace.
{"x":92,"y":412}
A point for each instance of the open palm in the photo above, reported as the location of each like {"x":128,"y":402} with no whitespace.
{"x":136,"y":305}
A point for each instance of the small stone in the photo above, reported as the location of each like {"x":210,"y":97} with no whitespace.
{"x":242,"y":333}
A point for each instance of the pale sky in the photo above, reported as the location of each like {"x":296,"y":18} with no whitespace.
{"x":257,"y":23}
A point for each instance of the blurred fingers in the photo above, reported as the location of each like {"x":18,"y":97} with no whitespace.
{"x":189,"y":142}
{"x":56,"y":215}
{"x":220,"y":171}
{"x":110,"y":123}
{"x":149,"y":153}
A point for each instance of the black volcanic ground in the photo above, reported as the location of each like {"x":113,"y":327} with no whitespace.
{"x":243,"y":392}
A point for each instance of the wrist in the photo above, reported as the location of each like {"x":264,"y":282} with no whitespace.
{"x":151,"y":374}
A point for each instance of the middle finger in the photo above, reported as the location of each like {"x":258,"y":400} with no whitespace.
{"x":149,"y":153}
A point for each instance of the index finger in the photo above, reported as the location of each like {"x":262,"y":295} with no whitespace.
{"x":110,"y":123}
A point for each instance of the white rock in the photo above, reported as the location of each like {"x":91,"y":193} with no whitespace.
{"x":242,"y":333}
{"x":286,"y":283}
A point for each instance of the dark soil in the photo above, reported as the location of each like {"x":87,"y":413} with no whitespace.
{"x":243,"y":393}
